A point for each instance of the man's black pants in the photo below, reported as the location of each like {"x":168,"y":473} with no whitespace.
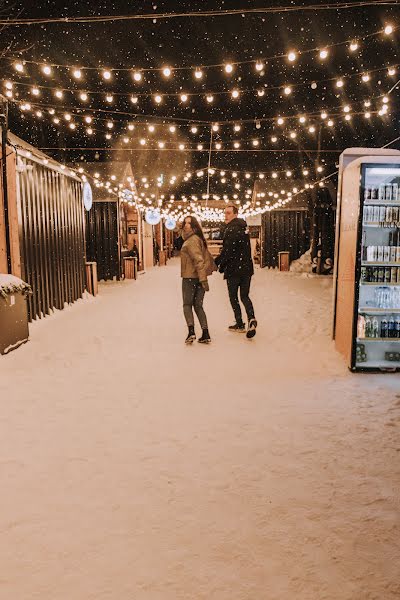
{"x":241,"y":283}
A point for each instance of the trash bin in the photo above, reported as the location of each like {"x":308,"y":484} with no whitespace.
{"x":14,"y":329}
{"x":91,"y":278}
{"x":130,"y":267}
{"x":284,"y":261}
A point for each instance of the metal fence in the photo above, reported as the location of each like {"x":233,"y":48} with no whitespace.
{"x":286,"y":230}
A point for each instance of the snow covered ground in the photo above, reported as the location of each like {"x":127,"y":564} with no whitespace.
{"x":133,"y":467}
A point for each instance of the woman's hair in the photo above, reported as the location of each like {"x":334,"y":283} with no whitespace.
{"x":196,"y":228}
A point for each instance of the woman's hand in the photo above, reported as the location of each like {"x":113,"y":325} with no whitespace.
{"x":205,"y":286}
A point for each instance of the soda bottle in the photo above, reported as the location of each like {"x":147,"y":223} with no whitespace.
{"x":368,"y":327}
{"x":384,"y":328}
{"x":391,"y":328}
{"x":375,"y":327}
{"x":397,"y":327}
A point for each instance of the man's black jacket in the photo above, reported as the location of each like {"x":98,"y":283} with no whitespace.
{"x":235,"y":257}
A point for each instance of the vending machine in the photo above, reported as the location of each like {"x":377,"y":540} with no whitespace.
{"x":367,"y":281}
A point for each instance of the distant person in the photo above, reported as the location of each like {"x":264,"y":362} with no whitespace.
{"x":196,"y":265}
{"x":236,"y":264}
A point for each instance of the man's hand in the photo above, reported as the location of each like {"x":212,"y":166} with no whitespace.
{"x":205,"y":286}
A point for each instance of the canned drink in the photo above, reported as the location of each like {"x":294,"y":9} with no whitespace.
{"x":387,"y":274}
{"x":382,"y":214}
{"x":393,"y":275}
{"x":374,"y":278}
{"x":395,"y":192}
{"x":395,"y":214}
{"x":376,"y":214}
{"x":367,"y":193}
{"x":364,"y":274}
{"x":388,"y":192}
{"x":397,"y":253}
{"x":381,"y":274}
{"x":398,"y":274}
{"x":386,"y":253}
{"x":378,"y":253}
{"x":392,"y":253}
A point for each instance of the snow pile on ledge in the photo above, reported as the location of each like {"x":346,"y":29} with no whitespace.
{"x":10,"y":284}
{"x":302,"y":264}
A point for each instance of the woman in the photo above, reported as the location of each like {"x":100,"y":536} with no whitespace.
{"x":196,"y":265}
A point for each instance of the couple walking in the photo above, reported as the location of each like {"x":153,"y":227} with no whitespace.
{"x":234,"y":262}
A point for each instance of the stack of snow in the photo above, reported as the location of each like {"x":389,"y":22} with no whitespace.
{"x":302,"y":264}
{"x":9,"y":284}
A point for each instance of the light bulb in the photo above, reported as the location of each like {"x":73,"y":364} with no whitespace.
{"x":181,"y":146}
{"x":72,"y":125}
{"x":339,"y":83}
{"x":107,"y":74}
{"x":193,"y":129}
{"x":320,"y":169}
{"x":215,"y":127}
{"x":89,"y":130}
{"x":388,"y":29}
{"x":261,"y":92}
{"x":323,"y":54}
{"x":347,"y":109}
{"x":312,"y":129}
{"x":392,"y":71}
{"x":235,"y":93}
{"x":302,"y":119}
{"x":228,"y":68}
{"x":280,"y":121}
{"x":210,"y":98}
{"x":46,"y":69}
{"x":385,"y":99}
{"x":161,"y":144}
{"x":9,"y":85}
{"x":236,"y":145}
{"x":67,"y":117}
{"x":293,"y":135}
{"x":218,"y":146}
{"x":261,"y":176}
{"x":274,"y":175}
{"x":167,"y":72}
{"x":142,"y":142}
{"x":354,"y":46}
{"x":88,"y":119}
{"x":288,"y":173}
{"x":158,"y":99}
{"x":237,"y":128}
{"x":137,"y":76}
{"x":108,"y":136}
{"x":366,"y":77}
{"x":77,"y":73}
{"x":330,"y":123}
{"x":367,"y":103}
{"x":259,"y":66}
{"x":287,"y":90}
{"x":324,"y":115}
{"x":367,"y":115}
{"x":274,"y":139}
{"x":83,"y":96}
{"x":134,"y":99}
{"x":109,"y":98}
{"x":198,"y":74}
{"x":19,"y":67}
{"x":110,"y":124}
{"x":199,"y":146}
{"x":151,"y":128}
{"x":35,"y":91}
{"x":172,"y":128}
{"x":292,"y":56}
{"x":56,"y":120}
{"x":184,"y":97}
{"x":256,"y":142}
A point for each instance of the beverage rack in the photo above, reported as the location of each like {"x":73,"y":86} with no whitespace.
{"x":378,"y":298}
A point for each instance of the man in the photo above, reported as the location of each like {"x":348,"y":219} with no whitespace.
{"x":236,"y":264}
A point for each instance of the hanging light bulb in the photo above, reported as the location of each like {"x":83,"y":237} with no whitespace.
{"x":259,"y":66}
{"x":172,"y":128}
{"x":110,"y":124}
{"x":274,"y":139}
{"x":142,"y":142}
{"x":391,"y":71}
{"x":161,"y":144}
{"x":346,"y":109}
{"x":228,"y":68}
{"x":134,"y":99}
{"x":109,"y":98}
{"x":158,"y":99}
{"x":215,"y":127}
{"x":193,"y":129}
{"x":305,"y":172}
{"x":323,"y":54}
{"x":72,"y":126}
{"x":324,"y":115}
{"x":46,"y":69}
{"x":35,"y":91}
{"x":88,"y":119}
{"x":280,"y":121}
{"x":237,"y":127}
{"x":106,"y":74}
{"x":181,"y":146}
{"x":311,"y":129}
{"x":365,"y":77}
{"x":184,"y":97}
{"x":83,"y":96}
{"x":137,"y":76}
{"x":89,"y":130}
{"x":287,"y":90}
{"x":218,"y":146}
{"x":67,"y":117}
{"x":293,"y":135}
{"x":151,"y":128}
{"x":340,"y":83}
{"x":235,"y":93}
{"x":367,"y":115}
{"x":77,"y":73}
{"x":367,"y":103}
{"x":167,"y":72}
{"x":256,"y":142}
{"x":261,"y":92}
{"x":288,"y":173}
{"x":108,"y":136}
{"x":18,"y":66}
{"x":198,"y":74}
{"x":210,"y":98}
{"x":274,"y":175}
{"x":292,"y":56}
{"x":302,"y":119}
{"x":353,"y":46}
{"x":330,"y":123}
{"x":388,"y":29}
{"x":236,"y":145}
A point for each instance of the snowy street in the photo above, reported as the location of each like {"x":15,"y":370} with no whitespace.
{"x":134,"y":467}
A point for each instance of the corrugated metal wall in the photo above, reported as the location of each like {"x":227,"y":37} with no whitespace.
{"x":51,"y":235}
{"x":102,"y":234}
{"x":284,"y":230}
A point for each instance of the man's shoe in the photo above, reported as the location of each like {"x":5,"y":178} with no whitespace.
{"x":251,"y":331}
{"x":237,"y":328}
{"x":205,"y":338}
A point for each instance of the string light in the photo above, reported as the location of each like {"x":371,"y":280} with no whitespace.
{"x":366,"y":77}
{"x":388,"y":29}
{"x":210,"y":98}
{"x":339,"y":83}
{"x":167,"y":71}
{"x":137,"y":76}
{"x":292,"y":56}
{"x":235,"y":93}
{"x":77,"y":73}
{"x":228,"y":68}
{"x":134,"y":99}
{"x":259,"y":66}
{"x":46,"y":69}
{"x":184,"y":98}
{"x":110,"y":98}
{"x":83,"y":96}
{"x":323,"y":54}
{"x":392,"y":71}
{"x":353,"y":46}
{"x":198,"y":74}
{"x":158,"y":99}
{"x":107,"y":74}
{"x":287,"y":90}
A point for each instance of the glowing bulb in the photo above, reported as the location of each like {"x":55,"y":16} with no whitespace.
{"x":236,"y":145}
{"x":330,"y":123}
{"x":293,"y":135}
{"x":347,"y":109}
{"x":9,"y":93}
{"x":110,"y":125}
{"x":388,"y":29}
{"x":354,"y":46}
{"x":172,"y":128}
{"x":311,"y":129}
{"x":385,"y":99}
{"x":259,"y":66}
{"x":198,"y":74}
{"x":107,"y":74}
{"x":324,"y":115}
{"x":19,"y":67}
{"x":39,"y":113}
{"x":256,"y":142}
{"x":323,"y":54}
{"x":392,"y":71}
{"x":142,"y":142}
{"x":77,"y":73}
{"x":35,"y":91}
{"x":228,"y":68}
{"x":320,"y":169}
{"x":109,"y":98}
{"x":56,"y":120}
{"x":237,"y":128}
{"x":339,"y":83}
{"x":134,"y":99}
{"x":161,"y":144}
{"x":274,"y":175}
{"x":261,"y":176}
{"x":184,"y":97}
{"x":305,"y":172}
{"x":181,"y":146}
{"x":235,"y":94}
{"x":158,"y":99}
{"x":83,"y":96}
{"x":367,"y":115}
{"x":218,"y":146}
{"x":287,"y":90}
{"x":288,"y":173}
{"x":302,"y":119}
{"x":280,"y":121}
{"x":366,"y":77}
{"x":72,"y":125}
{"x":292,"y":56}
{"x":108,"y":136}
{"x":367,"y":103}
{"x":88,"y":119}
{"x":151,"y":128}
{"x":89,"y":130}
{"x":210,"y":98}
{"x":261,"y":92}
{"x":67,"y":117}
{"x":9,"y":85}
{"x":46,"y":69}
{"x":167,"y":72}
{"x":274,"y":139}
{"x":137,"y":76}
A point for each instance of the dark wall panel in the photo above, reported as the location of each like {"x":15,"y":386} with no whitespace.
{"x":102,"y":239}
{"x":284,"y":231}
{"x":52,"y":237}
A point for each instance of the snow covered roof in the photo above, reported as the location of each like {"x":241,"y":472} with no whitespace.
{"x":11,"y":283}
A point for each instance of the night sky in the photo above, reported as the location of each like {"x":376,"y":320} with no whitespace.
{"x":181,"y":42}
